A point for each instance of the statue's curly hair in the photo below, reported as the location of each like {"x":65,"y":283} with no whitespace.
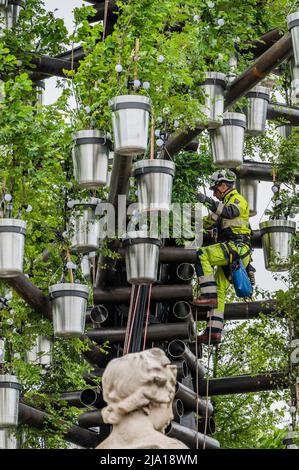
{"x":135,"y":381}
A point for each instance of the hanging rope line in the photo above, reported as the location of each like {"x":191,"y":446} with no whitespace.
{"x":197,"y":386}
{"x":129,"y":318}
{"x":105,"y":19}
{"x":207,"y":390}
{"x":147,"y":316}
{"x":132,"y":321}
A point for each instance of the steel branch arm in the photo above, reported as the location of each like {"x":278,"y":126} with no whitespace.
{"x":76,"y":434}
{"x":245,"y":384}
{"x":274,"y":56}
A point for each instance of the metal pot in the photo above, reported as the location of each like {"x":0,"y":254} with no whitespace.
{"x":284,"y":131}
{"x":294,"y":72}
{"x":84,"y":226}
{"x":12,"y":241}
{"x":258,"y":99}
{"x":228,"y":140}
{"x":293,"y":26}
{"x":154,"y":184}
{"x":249,"y":189}
{"x":8,"y":440}
{"x":69,"y":305}
{"x":41,"y":352}
{"x":9,"y":13}
{"x":213,"y":88}
{"x":39,"y":88}
{"x":276,"y":239}
{"x":142,"y":258}
{"x":90,"y":158}
{"x":130,"y":120}
{"x":2,"y":350}
{"x":9,"y":400}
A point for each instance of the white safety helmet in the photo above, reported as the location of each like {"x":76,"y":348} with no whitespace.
{"x":227,"y":176}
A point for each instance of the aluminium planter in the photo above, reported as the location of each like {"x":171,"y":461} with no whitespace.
{"x":293,"y":26}
{"x":258,"y":99}
{"x":130,"y":122}
{"x":294,"y":72}
{"x":154,"y":184}
{"x":249,"y":189}
{"x":12,"y":241}
{"x":41,"y":353}
{"x":276,"y":240}
{"x":9,"y":13}
{"x":90,"y":158}
{"x":213,"y":88}
{"x":69,"y":305}
{"x":8,"y":440}
{"x":227,"y":141}
{"x":142,"y":258}
{"x":9,"y":400}
{"x":284,"y":131}
{"x":84,"y":227}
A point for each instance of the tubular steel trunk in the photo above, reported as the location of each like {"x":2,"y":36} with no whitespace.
{"x":192,"y":402}
{"x":156,"y":332}
{"x":178,"y":350}
{"x":245,"y":384}
{"x":191,"y":438}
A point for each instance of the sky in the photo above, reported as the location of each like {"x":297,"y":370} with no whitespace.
{"x":265,"y":279}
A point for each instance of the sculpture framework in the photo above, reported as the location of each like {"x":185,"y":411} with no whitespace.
{"x":139,"y":389}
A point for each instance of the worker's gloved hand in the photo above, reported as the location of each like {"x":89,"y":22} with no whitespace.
{"x":202,"y":198}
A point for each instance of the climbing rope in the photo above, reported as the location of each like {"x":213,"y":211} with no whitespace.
{"x":210,"y":350}
{"x":147,"y":316}
{"x":105,"y":18}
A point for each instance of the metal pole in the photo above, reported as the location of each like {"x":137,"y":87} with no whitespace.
{"x":245,"y":384}
{"x":121,"y":295}
{"x":258,"y":171}
{"x":191,"y":438}
{"x":191,"y":401}
{"x":178,"y":350}
{"x":284,"y":112}
{"x":121,"y":171}
{"x":39,"y":419}
{"x":156,"y":332}
{"x":90,"y":419}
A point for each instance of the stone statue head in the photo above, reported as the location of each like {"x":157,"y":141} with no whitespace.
{"x":143,"y":381}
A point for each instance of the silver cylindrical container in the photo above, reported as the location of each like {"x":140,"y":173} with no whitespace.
{"x":249,"y":189}
{"x":90,"y":158}
{"x":84,"y":227}
{"x":284,"y":131}
{"x":12,"y":12}
{"x":9,"y":400}
{"x":258,"y":99}
{"x":276,"y":239}
{"x":41,"y":352}
{"x":8,"y":440}
{"x":39,"y":88}
{"x":213,"y":88}
{"x":69,"y":305}
{"x":142,"y":258}
{"x":12,"y":242}
{"x":293,"y":26}
{"x":227,"y":141}
{"x":2,"y":350}
{"x":154,"y":184}
{"x":130,"y":121}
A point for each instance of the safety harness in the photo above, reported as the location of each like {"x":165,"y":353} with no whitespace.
{"x":232,"y":257}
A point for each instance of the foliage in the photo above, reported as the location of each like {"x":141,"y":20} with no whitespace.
{"x":178,"y":42}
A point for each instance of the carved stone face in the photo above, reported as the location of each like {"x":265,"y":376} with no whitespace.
{"x":161,"y":415}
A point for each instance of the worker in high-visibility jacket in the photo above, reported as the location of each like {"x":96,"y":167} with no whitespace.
{"x":230,"y":219}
